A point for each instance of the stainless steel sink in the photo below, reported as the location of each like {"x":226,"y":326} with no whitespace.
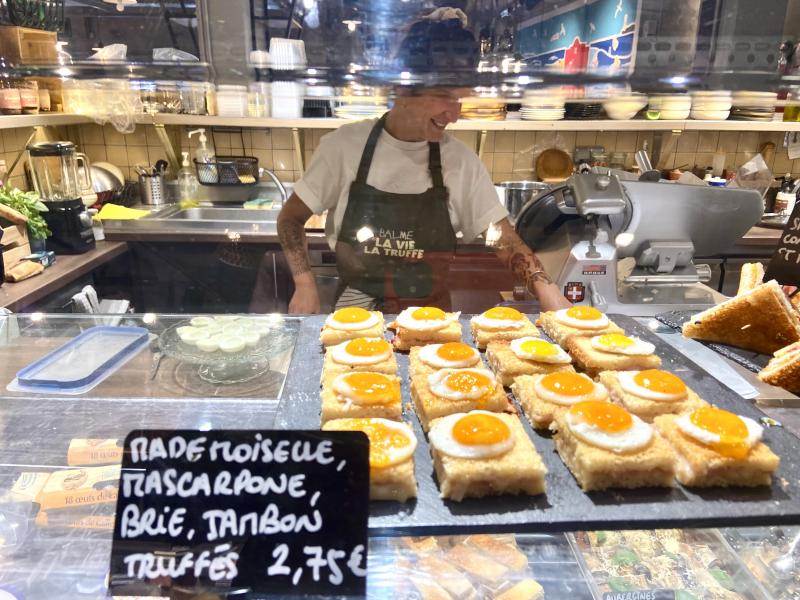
{"x":224,"y":215}
{"x":220,"y":214}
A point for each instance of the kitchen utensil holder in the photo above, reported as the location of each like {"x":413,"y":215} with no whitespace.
{"x":228,"y":170}
{"x":151,"y":189}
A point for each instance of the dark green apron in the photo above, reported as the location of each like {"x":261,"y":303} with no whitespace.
{"x":397,"y":248}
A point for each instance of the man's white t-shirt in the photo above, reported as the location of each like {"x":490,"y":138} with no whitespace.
{"x":399,"y":167}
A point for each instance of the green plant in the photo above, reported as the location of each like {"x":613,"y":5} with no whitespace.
{"x":29,"y":204}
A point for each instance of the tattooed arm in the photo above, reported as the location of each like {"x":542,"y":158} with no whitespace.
{"x":525,"y":265}
{"x":292,"y":234}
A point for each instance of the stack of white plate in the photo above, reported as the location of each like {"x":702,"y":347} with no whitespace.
{"x":711,"y":106}
{"x":624,"y":106}
{"x":671,"y":106}
{"x":754,"y":106}
{"x":542,"y":105}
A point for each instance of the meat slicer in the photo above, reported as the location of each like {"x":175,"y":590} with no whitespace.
{"x":629,"y":246}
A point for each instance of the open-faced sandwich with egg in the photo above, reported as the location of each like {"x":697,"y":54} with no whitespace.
{"x":650,"y":393}
{"x":714,"y":447}
{"x":604,"y":446}
{"x":452,"y":355}
{"x":612,"y":352}
{"x":450,"y":391}
{"x":563,"y":324}
{"x":391,"y":456}
{"x":480,"y":453}
{"x":361,"y":394}
{"x":543,"y":397}
{"x":421,"y":325}
{"x":360,"y":354}
{"x":525,"y":356}
{"x":350,"y":323}
{"x":500,"y":323}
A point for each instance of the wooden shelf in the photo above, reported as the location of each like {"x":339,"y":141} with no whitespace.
{"x":55,"y":119}
{"x":44,"y":119}
{"x":464,"y":125}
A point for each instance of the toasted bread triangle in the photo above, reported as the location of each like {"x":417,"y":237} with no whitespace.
{"x":761,"y":320}
{"x":783,"y":370}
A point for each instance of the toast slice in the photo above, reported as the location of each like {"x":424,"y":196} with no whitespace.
{"x":762,"y":320}
{"x":783,"y":370}
{"x":752,"y":275}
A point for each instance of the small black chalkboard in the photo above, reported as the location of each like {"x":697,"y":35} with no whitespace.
{"x":785,"y":264}
{"x":249,"y":513}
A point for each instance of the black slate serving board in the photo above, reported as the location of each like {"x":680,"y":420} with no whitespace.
{"x":564,"y":506}
{"x":752,"y":361}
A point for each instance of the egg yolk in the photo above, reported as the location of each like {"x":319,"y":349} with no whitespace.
{"x":428,"y":313}
{"x":615,"y":340}
{"x":503,"y":312}
{"x":467,"y":381}
{"x":538,"y":348}
{"x":731,"y":430}
{"x":351,"y":314}
{"x":480,"y":430}
{"x":567,"y":384}
{"x":382,"y":440}
{"x":454,"y":351}
{"x":603,"y":415}
{"x":584,"y":313}
{"x":365,"y":347}
{"x":373,"y":388}
{"x":659,"y":381}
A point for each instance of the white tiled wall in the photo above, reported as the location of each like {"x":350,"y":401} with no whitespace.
{"x":508,"y":155}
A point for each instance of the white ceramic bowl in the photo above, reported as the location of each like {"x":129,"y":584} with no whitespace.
{"x":621,"y":108}
{"x":670,"y":102}
{"x":710,"y":115}
{"x":674,"y":115}
{"x":712,"y":94}
{"x":712,"y":106}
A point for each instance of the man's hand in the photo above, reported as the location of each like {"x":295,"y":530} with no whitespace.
{"x":305,"y":300}
{"x":525,"y":265}
{"x":292,"y":234}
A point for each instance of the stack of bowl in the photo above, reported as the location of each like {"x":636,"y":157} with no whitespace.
{"x":671,"y":106}
{"x":711,"y":106}
{"x":754,"y":106}
{"x":624,"y":106}
{"x":542,"y":105}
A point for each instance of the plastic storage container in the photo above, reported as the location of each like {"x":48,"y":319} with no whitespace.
{"x":232,"y":101}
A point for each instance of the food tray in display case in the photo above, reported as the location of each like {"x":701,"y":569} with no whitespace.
{"x":691,"y":564}
{"x":564,"y":506}
{"x":764,"y":550}
{"x":474,"y":566}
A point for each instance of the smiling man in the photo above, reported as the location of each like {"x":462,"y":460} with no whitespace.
{"x":397,"y":190}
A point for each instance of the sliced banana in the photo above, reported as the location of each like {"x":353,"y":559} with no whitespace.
{"x":208,"y":344}
{"x":251,"y":338}
{"x":226,"y":318}
{"x":232,"y":343}
{"x":201,"y":321}
{"x":192,"y":335}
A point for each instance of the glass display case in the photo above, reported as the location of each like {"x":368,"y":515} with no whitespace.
{"x":51,"y":548}
{"x":603,"y":79}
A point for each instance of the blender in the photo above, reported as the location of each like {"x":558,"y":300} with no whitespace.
{"x":54,"y":170}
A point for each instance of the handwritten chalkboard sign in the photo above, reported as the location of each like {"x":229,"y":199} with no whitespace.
{"x":785,"y":264}
{"x":259,"y":513}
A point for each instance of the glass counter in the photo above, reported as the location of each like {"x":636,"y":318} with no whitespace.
{"x":63,"y":552}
